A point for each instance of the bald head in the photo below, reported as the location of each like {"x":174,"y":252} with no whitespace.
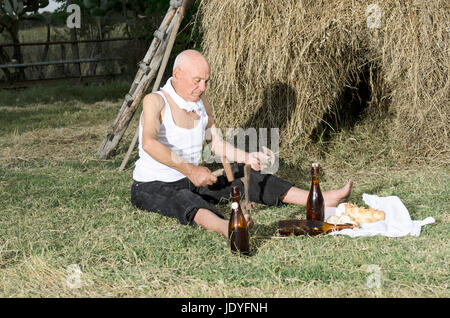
{"x":189,"y":58}
{"x":190,"y":74}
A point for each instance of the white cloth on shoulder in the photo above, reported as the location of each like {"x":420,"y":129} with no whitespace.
{"x":183,"y":104}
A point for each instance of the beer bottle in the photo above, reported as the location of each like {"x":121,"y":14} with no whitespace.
{"x":311,"y":227}
{"x":314,"y":205}
{"x":237,"y":227}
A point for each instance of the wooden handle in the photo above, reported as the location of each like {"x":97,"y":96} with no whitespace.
{"x":227,"y":168}
{"x":246,"y":181}
{"x":218,"y":172}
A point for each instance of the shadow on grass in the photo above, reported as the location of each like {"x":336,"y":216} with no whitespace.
{"x":261,"y":234}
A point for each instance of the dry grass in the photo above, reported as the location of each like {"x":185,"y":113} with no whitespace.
{"x":291,"y":66}
{"x":294,"y":64}
{"x":61,"y":206}
{"x":71,"y":136}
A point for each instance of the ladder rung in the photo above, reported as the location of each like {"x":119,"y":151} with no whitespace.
{"x":144,"y":67}
{"x":129,"y":99}
{"x":159,"y":35}
{"x":176,"y":3}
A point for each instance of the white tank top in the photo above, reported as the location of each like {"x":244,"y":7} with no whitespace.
{"x":187,"y":143}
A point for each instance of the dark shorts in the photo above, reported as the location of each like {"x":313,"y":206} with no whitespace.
{"x":182,"y":199}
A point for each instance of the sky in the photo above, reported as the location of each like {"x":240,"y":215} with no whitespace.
{"x":52,"y":6}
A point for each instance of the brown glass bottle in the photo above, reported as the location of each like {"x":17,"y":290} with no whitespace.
{"x":315,"y":206}
{"x":310,"y":227}
{"x":237,"y":227}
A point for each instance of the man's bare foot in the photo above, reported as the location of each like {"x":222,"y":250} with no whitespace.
{"x":334,"y":197}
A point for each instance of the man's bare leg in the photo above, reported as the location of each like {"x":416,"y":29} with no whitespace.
{"x":210,"y":221}
{"x":332,"y":198}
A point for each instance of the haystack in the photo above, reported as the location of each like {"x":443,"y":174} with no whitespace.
{"x":299,"y":65}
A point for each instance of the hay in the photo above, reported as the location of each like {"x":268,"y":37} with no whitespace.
{"x":291,"y":65}
{"x":414,"y":54}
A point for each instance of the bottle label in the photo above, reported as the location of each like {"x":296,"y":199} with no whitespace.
{"x":234,"y":205}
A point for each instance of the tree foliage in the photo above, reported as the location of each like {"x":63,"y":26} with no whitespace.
{"x":136,"y":19}
{"x":11,"y":12}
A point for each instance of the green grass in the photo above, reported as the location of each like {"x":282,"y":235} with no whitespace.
{"x":50,"y":94}
{"x":62,"y":206}
{"x":59,"y":106}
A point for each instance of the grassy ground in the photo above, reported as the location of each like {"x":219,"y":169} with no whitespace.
{"x":67,"y":228}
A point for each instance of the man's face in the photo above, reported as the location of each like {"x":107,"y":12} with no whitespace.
{"x":190,"y":81}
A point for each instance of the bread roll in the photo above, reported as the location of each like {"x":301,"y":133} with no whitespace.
{"x":334,"y":219}
{"x":356,"y":215}
{"x":343,"y":219}
{"x":363,"y":215}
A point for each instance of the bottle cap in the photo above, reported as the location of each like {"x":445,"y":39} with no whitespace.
{"x":234,"y":205}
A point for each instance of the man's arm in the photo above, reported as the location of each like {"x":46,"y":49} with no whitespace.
{"x":223,"y":148}
{"x":151,"y":122}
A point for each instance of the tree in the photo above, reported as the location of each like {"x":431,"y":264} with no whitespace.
{"x":11,"y":12}
{"x":100,"y":17}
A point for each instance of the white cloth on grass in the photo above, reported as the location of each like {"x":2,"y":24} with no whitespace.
{"x":397,"y":222}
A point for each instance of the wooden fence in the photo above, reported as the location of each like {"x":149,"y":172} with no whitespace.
{"x":76,"y":75}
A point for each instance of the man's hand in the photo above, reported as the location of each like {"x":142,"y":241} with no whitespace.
{"x":201,"y":176}
{"x":258,"y":160}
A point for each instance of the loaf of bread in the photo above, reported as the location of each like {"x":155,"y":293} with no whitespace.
{"x":356,"y":215}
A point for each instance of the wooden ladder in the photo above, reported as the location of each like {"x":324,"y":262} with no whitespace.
{"x":155,"y":59}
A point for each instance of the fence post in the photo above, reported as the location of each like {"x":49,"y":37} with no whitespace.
{"x":45,"y":52}
{"x":63,"y":58}
{"x":75,"y":51}
{"x":4,"y":58}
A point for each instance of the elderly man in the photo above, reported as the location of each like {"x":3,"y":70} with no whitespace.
{"x":167,"y":177}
